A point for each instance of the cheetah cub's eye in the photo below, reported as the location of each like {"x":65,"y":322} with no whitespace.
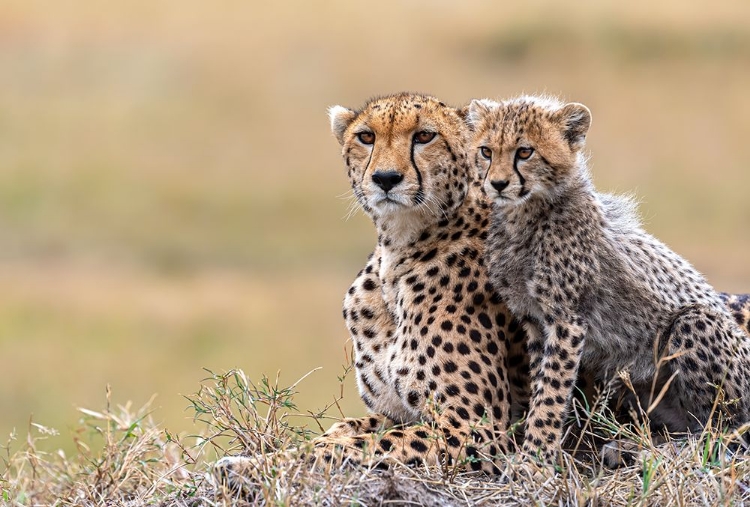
{"x":486,"y":152}
{"x":366,"y":137}
{"x":524,"y":153}
{"x":423,"y":137}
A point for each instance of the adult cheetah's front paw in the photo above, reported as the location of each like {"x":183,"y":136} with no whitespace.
{"x":353,"y":426}
{"x":344,"y":428}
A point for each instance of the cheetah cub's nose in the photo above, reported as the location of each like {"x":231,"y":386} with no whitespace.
{"x":387,"y":179}
{"x":499,"y":185}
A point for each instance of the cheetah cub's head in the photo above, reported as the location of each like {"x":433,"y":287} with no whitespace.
{"x":405,"y":157}
{"x":527,"y":147}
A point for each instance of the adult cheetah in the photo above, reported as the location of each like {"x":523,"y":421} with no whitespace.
{"x":431,"y":338}
{"x":594,"y":289}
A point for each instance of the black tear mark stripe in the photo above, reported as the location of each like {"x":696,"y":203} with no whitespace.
{"x":489,"y":167}
{"x":420,"y":191}
{"x":479,"y":162}
{"x":523,"y":190}
{"x":367,"y":165}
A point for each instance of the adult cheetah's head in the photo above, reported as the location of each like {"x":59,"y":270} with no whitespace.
{"x":526,"y":146}
{"x":405,"y":156}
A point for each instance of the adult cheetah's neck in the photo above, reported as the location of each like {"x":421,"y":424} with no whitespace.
{"x":411,"y":228}
{"x":400,"y":230}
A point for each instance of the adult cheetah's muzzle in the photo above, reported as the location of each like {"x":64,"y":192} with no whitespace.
{"x":386,"y":180}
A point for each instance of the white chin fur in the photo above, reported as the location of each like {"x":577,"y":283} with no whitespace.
{"x":391,"y":203}
{"x":389,"y":207}
{"x":494,"y":196}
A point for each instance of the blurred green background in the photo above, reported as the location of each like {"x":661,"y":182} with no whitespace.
{"x":170,"y":194}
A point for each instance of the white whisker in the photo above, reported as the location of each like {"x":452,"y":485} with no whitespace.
{"x":434,"y":206}
{"x":354,"y":205}
{"x":352,"y":208}
{"x":346,"y":195}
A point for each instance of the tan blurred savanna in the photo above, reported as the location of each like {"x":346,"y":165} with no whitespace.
{"x":171,"y":197}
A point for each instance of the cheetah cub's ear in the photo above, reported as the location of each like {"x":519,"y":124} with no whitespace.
{"x":575,"y":120}
{"x":340,"y":118}
{"x":478,"y":110}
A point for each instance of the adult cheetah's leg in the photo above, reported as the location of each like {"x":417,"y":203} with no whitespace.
{"x":555,"y":355}
{"x":449,"y":441}
{"x":711,"y":356}
{"x":373,"y":333}
{"x":518,"y":370}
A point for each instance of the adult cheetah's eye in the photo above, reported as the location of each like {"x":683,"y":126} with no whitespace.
{"x":524,"y":153}
{"x":486,"y":152}
{"x":366,"y":137}
{"x":423,"y":137}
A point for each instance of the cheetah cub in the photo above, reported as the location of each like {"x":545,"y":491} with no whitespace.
{"x":594,"y":289}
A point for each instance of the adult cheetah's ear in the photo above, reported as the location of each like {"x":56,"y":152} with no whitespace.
{"x":575,"y":120}
{"x":478,"y":109}
{"x":340,"y":118}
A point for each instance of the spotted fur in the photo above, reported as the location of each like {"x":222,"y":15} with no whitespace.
{"x":593,"y":288}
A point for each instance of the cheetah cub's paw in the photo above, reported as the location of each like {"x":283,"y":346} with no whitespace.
{"x":622,"y":453}
{"x":234,"y":473}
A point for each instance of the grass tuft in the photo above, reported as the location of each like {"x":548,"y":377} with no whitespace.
{"x":124,"y":458}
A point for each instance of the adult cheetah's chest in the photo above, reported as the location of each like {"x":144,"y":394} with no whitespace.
{"x":440,"y":304}
{"x":438,"y":275}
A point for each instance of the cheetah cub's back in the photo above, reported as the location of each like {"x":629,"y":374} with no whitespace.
{"x":594,"y":289}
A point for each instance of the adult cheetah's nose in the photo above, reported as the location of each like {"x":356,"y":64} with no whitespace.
{"x":499,"y":185}
{"x":387,"y":179}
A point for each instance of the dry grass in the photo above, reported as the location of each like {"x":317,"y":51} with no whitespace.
{"x":123,"y":458}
